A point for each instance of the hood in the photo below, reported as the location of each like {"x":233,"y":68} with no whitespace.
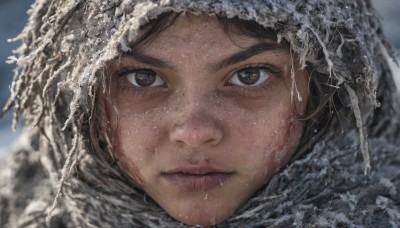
{"x":66,"y":44}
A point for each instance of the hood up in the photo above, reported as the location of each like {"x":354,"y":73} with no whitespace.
{"x":56,"y":88}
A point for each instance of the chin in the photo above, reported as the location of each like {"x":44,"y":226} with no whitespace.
{"x":203,"y":219}
{"x":201,"y":213}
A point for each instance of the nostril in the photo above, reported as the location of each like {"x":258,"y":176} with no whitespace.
{"x":179,"y":143}
{"x":212,"y":142}
{"x":195,"y":133}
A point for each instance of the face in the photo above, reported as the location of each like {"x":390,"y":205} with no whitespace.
{"x":200,"y":120}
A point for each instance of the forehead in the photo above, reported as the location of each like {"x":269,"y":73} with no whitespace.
{"x":191,"y":32}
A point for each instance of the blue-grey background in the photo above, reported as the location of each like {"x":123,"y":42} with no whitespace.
{"x":13,"y":15}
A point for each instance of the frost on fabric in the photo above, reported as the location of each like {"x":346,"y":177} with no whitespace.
{"x":112,"y":25}
{"x":67,"y":42}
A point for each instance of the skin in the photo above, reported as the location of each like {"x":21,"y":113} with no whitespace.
{"x":200,"y":117}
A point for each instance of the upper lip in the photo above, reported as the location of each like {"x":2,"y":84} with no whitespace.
{"x":195,"y":170}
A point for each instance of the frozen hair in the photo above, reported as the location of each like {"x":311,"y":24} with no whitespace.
{"x":66,"y":43}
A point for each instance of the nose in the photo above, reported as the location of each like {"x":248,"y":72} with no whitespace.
{"x":196,"y":131}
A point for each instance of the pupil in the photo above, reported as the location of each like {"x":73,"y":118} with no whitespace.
{"x":145,"y":78}
{"x":249,"y":76}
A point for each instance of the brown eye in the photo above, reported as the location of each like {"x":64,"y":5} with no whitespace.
{"x":249,"y":76}
{"x":145,"y":78}
{"x":252,"y":76}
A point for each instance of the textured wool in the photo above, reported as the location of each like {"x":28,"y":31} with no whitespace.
{"x":345,"y":173}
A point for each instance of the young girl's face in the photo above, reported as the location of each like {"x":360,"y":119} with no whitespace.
{"x":201,"y":120}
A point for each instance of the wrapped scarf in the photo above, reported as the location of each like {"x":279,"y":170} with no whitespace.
{"x":63,"y":174}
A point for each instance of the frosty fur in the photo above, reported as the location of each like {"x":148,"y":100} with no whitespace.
{"x":65,"y":172}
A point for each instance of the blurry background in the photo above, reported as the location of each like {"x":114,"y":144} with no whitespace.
{"x":13,"y":17}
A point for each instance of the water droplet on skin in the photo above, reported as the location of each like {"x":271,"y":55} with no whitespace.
{"x":206,"y":196}
{"x":220,"y":182}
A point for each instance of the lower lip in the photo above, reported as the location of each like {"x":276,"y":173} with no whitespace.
{"x":197,"y":183}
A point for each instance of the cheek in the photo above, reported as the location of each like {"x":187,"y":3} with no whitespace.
{"x":125,"y":156}
{"x":131,"y":169}
{"x":133,"y":140}
{"x":270,"y":139}
{"x":134,"y":132}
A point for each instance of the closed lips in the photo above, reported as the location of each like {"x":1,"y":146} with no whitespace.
{"x":197,"y":179}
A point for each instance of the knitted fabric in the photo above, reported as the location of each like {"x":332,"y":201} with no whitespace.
{"x":67,"y":154}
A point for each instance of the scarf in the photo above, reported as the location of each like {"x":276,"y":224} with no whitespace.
{"x":64,"y":170}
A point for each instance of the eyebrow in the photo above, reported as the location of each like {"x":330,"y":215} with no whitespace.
{"x":230,"y":60}
{"x":246,"y":54}
{"x":149,"y":60}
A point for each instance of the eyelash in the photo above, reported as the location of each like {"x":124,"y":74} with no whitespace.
{"x":256,"y":90}
{"x":243,"y":91}
{"x":128,"y":87}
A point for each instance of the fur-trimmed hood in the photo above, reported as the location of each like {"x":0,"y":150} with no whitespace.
{"x":66,"y":44}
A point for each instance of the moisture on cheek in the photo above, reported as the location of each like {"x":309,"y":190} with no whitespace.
{"x":128,"y":166}
{"x":283,"y":142}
